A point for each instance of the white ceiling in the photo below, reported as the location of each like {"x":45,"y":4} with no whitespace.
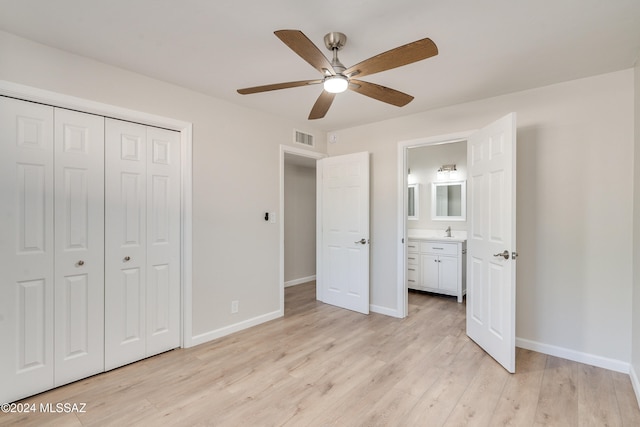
{"x":487,"y":47}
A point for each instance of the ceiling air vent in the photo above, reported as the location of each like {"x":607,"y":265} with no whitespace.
{"x":303,"y":138}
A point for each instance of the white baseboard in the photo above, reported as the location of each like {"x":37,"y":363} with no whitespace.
{"x":299,"y":281}
{"x":227,"y":330}
{"x":576,"y":356}
{"x":384,"y":310}
{"x":635,"y":383}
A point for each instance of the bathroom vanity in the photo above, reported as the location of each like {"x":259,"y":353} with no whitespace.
{"x":437,"y":264}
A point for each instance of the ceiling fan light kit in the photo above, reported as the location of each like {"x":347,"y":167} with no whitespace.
{"x":335,"y":84}
{"x":337,"y":78}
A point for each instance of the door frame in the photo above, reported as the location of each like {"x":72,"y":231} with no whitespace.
{"x":403,"y":149}
{"x":28,"y":93}
{"x":301,"y":152}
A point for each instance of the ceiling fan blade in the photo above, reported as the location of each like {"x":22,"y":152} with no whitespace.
{"x":266,"y":88}
{"x":403,"y":55}
{"x":305,"y":48}
{"x":322,"y":105}
{"x":381,"y":93}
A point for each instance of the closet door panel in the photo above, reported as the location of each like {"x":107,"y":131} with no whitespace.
{"x":159,"y":306}
{"x":163,"y":240}
{"x":79,"y":244}
{"x":26,"y":248}
{"x":125,"y":249}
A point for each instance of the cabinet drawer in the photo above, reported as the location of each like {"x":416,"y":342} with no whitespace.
{"x":413,"y":259}
{"x":439,"y":248}
{"x":413,"y":246}
{"x":412,"y":277}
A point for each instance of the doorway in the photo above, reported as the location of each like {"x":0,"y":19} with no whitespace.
{"x":436,"y":210}
{"x":491,"y":252}
{"x":298,"y":227}
{"x":419,"y":162}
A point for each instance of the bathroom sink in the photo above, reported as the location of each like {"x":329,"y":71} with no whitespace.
{"x":458,"y":236}
{"x":449,"y":239}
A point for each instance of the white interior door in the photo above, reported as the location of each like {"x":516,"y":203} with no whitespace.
{"x":26,"y":249}
{"x":491,"y":277}
{"x":79,"y":245}
{"x":343,"y":272}
{"x":125,"y":238}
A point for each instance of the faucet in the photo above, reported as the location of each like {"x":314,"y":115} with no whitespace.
{"x":448,"y":231}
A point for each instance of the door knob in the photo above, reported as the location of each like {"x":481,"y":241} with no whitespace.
{"x":127,"y":258}
{"x":504,"y":254}
{"x":361,"y":241}
{"x":80,"y":263}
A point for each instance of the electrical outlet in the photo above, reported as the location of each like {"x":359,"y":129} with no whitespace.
{"x":234,"y":306}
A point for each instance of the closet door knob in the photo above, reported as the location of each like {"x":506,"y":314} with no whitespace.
{"x":127,"y":258}
{"x":80,"y":263}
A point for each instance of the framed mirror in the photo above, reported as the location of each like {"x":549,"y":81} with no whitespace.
{"x":413,"y":198}
{"x":449,"y":201}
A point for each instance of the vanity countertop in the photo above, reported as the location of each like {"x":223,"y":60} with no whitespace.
{"x":456,"y":236}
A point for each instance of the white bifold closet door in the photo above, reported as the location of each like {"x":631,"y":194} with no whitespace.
{"x":142,"y":251}
{"x":51,"y":282}
{"x":79,"y":245}
{"x":26,"y":248}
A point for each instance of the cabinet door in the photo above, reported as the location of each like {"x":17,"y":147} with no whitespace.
{"x":430,"y":271}
{"x":79,"y":245}
{"x":448,"y":273}
{"x":125,"y":242}
{"x":26,"y":249}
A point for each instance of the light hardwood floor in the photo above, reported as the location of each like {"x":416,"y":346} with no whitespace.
{"x":320,"y":365}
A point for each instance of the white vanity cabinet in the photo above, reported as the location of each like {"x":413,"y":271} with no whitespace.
{"x":437,"y":266}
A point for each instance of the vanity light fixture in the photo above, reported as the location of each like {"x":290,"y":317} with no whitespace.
{"x":447,"y":172}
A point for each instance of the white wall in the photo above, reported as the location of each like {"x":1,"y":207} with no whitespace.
{"x":235,"y":174}
{"x":635,"y":359}
{"x":424,"y":163}
{"x":574,"y":202}
{"x":299,"y":222}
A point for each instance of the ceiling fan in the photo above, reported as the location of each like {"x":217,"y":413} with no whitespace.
{"x":337,"y":78}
